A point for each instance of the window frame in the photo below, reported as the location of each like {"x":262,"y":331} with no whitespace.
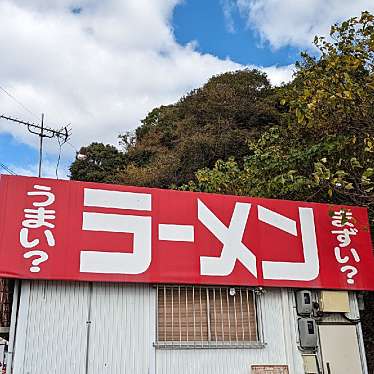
{"x":203,"y":344}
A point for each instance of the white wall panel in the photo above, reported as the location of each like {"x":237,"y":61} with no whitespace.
{"x":52,"y":334}
{"x":52,"y":338}
{"x":122,"y":328}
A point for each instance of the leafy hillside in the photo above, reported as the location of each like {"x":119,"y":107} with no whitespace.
{"x":323,"y":147}
{"x":173,"y":142}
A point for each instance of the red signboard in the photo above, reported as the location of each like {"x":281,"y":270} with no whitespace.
{"x":51,"y":229}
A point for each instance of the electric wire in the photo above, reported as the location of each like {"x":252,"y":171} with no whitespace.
{"x":60,"y":145}
{"x":60,"y":142}
{"x":6,"y":168}
{"x":59,"y":156}
{"x":6,"y":92}
{"x":72,"y":146}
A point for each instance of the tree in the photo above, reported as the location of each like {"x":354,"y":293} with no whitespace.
{"x":174,"y":141}
{"x":209,"y":123}
{"x":98,"y":163}
{"x":324,"y":148}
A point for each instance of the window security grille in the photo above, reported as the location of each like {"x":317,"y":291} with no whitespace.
{"x":269,"y":369}
{"x":6,"y":292}
{"x":194,"y":316}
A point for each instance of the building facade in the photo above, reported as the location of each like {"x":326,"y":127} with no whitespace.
{"x":118,"y":328}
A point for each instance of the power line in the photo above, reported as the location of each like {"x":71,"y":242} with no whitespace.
{"x":60,"y":151}
{"x":72,"y":146}
{"x":60,"y":144}
{"x":7,"y":169}
{"x":17,"y":101}
{"x":62,"y":135}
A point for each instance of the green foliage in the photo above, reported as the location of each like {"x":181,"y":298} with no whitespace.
{"x":97,"y":163}
{"x":284,"y":167}
{"x":210,"y":123}
{"x":323,"y":149}
{"x":335,"y":92}
{"x":213,"y":122}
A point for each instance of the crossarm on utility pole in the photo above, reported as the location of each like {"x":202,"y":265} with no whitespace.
{"x":42,"y":132}
{"x":47,"y":132}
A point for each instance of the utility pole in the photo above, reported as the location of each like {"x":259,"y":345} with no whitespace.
{"x":40,"y":130}
{"x":41,"y":146}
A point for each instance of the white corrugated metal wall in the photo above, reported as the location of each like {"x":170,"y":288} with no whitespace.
{"x":52,"y":333}
{"x":122,"y":328}
{"x":2,"y":353}
{"x":52,"y":329}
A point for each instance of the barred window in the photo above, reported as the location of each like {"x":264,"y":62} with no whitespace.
{"x":194,"y":316}
{"x":6,"y":293}
{"x":269,"y":369}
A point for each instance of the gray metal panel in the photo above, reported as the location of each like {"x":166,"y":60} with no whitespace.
{"x":122,"y":328}
{"x":55,"y":330}
{"x":308,"y":332}
{"x":304,"y":302}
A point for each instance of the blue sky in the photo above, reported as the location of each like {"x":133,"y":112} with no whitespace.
{"x":14,"y":152}
{"x":205,"y":22}
{"x":102,"y":66}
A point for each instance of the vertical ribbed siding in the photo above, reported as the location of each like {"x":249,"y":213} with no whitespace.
{"x":121,"y":329}
{"x":56,"y":328}
{"x":122,"y":332}
{"x":2,"y":352}
{"x":121,"y":336}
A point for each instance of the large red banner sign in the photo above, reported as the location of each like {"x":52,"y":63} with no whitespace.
{"x":52,"y":229}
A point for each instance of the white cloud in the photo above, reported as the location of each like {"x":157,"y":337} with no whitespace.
{"x":279,"y":74}
{"x":296,"y":22}
{"x":101,"y":70}
{"x":228,"y":7}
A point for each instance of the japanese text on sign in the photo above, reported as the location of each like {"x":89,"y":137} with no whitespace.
{"x":86,"y":231}
{"x":36,"y":218}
